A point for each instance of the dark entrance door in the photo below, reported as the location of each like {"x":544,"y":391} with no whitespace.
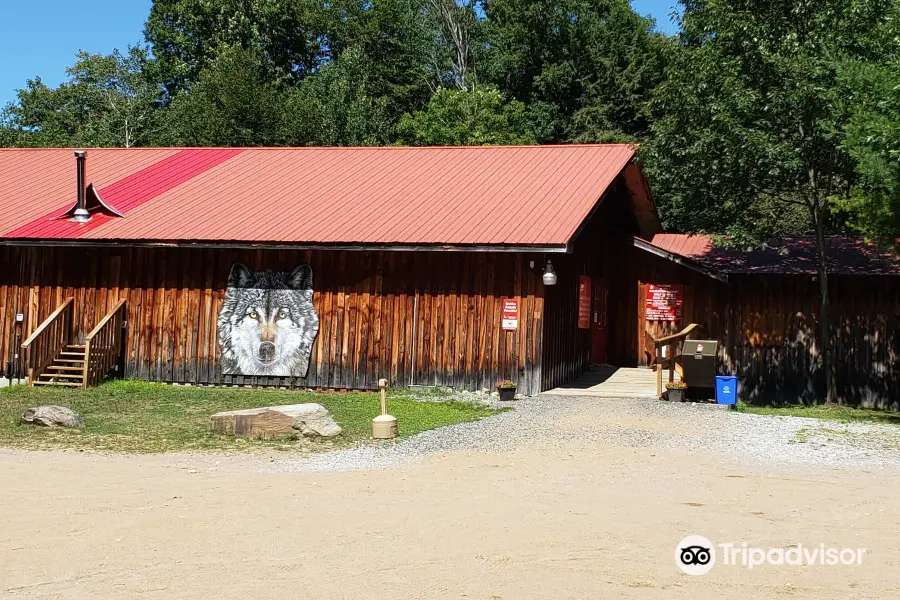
{"x":599,"y":321}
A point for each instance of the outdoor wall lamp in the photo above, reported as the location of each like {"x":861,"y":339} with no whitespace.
{"x":549,"y":276}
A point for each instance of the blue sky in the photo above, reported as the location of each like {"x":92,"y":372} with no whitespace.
{"x":41,"y":37}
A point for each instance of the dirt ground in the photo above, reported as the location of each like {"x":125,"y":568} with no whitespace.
{"x":557,"y":519}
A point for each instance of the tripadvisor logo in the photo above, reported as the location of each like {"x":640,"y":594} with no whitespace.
{"x":696,"y":555}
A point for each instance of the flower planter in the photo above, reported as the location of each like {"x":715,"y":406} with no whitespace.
{"x":676,"y":395}
{"x":507,"y":394}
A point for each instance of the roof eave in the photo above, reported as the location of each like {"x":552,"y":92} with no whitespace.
{"x":280,"y":245}
{"x":678,"y":259}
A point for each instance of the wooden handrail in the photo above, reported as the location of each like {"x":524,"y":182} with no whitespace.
{"x":103,"y":345}
{"x":49,"y":339}
{"x":669,"y":361}
{"x":47,"y":322}
{"x":104,"y":321}
{"x":667,"y":340}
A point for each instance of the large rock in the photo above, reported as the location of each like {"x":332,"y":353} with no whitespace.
{"x":51,"y":416}
{"x":294,"y":420}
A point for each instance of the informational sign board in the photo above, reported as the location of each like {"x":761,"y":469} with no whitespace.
{"x":584,"y":302}
{"x":510,"y":316}
{"x":664,"y":302}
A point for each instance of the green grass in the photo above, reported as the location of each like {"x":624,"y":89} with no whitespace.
{"x":837,"y":413}
{"x":139,"y":417}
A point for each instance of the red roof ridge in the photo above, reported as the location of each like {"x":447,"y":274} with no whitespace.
{"x":319,"y":148}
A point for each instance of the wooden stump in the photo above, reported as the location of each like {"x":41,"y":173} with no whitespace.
{"x":292,"y":420}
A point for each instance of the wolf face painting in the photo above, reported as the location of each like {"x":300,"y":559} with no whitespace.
{"x":267,"y":323}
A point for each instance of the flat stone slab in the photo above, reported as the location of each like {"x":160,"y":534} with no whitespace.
{"x":291,"y":420}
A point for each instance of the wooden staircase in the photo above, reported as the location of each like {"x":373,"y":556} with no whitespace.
{"x":67,"y":369}
{"x":54,"y":357}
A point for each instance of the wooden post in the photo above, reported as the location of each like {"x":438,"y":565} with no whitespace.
{"x":87,"y":363}
{"x":671,"y":359}
{"x":659,"y":368}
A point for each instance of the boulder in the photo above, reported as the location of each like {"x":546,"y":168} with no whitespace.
{"x":292,"y":420}
{"x":52,"y":416}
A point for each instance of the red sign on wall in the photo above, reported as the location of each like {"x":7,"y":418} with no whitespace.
{"x":584,"y":302}
{"x":510,"y":317}
{"x":664,"y":302}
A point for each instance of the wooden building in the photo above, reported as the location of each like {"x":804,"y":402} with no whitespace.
{"x":424,"y":265}
{"x":762,"y":305}
{"x":459,"y":267}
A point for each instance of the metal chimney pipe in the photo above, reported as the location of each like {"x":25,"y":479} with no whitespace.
{"x":81,"y":214}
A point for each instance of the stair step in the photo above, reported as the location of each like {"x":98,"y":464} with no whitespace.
{"x":56,"y":367}
{"x":61,"y":376}
{"x":59,"y":383}
{"x":79,"y":346}
{"x":69,"y":360}
{"x":64,"y":353}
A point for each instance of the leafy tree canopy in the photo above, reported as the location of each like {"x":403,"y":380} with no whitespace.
{"x":590,"y":66}
{"x":751,"y":123}
{"x":480,"y":116}
{"x":107,"y":101}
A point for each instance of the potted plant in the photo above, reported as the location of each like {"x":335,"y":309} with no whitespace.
{"x":675,"y":390}
{"x":506,"y":389}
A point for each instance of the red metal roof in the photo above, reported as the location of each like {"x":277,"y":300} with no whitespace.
{"x":501,"y":195}
{"x":785,"y":256}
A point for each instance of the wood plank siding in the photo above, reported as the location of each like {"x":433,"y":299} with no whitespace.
{"x":601,"y":250}
{"x":768,"y":331}
{"x":415,"y":318}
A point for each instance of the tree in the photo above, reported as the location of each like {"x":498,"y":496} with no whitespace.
{"x":456,"y":26}
{"x":107,"y":101}
{"x":476,"y":117}
{"x":587,"y":68}
{"x":338,"y":107}
{"x":294,"y":39}
{"x":754,"y":117}
{"x":873,"y":142}
{"x":397,"y":41}
{"x":118,"y":85}
{"x":187,"y":36}
{"x":232,"y":104}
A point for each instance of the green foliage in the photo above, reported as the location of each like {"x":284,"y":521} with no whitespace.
{"x":339,"y":107}
{"x":188,"y":36}
{"x":467,"y":118}
{"x":751,"y":123}
{"x":232,"y":104}
{"x":107,"y":101}
{"x":293,"y":39}
{"x":588,"y":66}
{"x":873,"y":141}
{"x":837,"y":414}
{"x":398,"y":43}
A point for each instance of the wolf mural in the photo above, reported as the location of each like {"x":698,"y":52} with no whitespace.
{"x":267,"y":322}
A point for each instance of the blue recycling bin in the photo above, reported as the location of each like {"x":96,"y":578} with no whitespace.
{"x":726,"y":389}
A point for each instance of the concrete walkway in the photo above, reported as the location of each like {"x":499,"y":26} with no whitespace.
{"x":606,"y":381}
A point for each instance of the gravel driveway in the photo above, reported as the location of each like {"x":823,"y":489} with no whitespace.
{"x":552,"y":422}
{"x":563,"y":498}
